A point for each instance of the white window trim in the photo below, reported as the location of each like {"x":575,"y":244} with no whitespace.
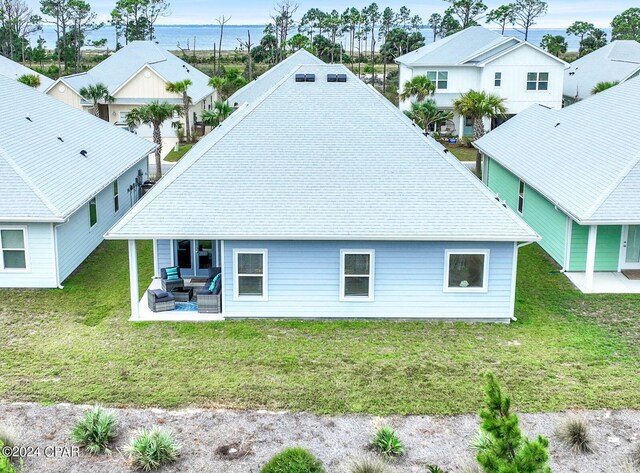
{"x":91,"y":227}
{"x":265,"y":274}
{"x":116,"y":196}
{"x":495,"y":79}
{"x":435,"y":82}
{"x":485,"y":275}
{"x":27,"y":264}
{"x":371,"y":275}
{"x":523,"y":186}
{"x":537,"y":81}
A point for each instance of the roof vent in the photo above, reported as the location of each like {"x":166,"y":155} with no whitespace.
{"x":557,"y":125}
{"x":332,"y":77}
{"x":305,"y":77}
{"x":83,"y":153}
{"x":60,"y":139}
{"x":342,"y":78}
{"x":28,"y":118}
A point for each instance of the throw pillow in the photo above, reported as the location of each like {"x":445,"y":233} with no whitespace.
{"x":213,"y":283}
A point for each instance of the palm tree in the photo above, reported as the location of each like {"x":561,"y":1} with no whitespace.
{"x":225,"y":85}
{"x":602,"y":86}
{"x":155,"y":114}
{"x":219,"y":83}
{"x":426,"y":113}
{"x":97,"y":93}
{"x":419,"y":87}
{"x":181,"y":87}
{"x":220,"y":112}
{"x":32,"y":80}
{"x":479,"y":105}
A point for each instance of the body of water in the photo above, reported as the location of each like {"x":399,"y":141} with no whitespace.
{"x":205,"y":36}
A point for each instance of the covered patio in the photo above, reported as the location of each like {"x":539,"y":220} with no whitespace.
{"x":604,"y":283}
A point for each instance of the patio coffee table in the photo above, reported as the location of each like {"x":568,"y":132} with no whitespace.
{"x":183,"y":294}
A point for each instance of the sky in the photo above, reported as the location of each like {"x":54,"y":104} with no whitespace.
{"x":250,"y":12}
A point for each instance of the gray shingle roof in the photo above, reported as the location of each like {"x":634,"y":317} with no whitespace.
{"x":255,"y":89}
{"x":13,"y":70}
{"x":320,"y":161}
{"x":589,"y":171}
{"x":43,"y":178}
{"x":616,"y":61}
{"x":116,"y":70}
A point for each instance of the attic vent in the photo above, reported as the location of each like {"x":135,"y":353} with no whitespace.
{"x":336,"y":78}
{"x":305,"y":77}
{"x":83,"y":153}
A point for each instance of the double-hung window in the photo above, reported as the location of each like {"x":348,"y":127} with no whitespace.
{"x":93,"y":212}
{"x":538,"y":81}
{"x":439,"y":78}
{"x":466,"y":270}
{"x":520,"y":197}
{"x":250,"y":275}
{"x":497,"y":80}
{"x":356,"y":275}
{"x":116,"y":197}
{"x":13,"y":249}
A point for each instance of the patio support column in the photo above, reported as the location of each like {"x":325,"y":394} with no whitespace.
{"x":133,"y":278}
{"x":461,"y":126}
{"x":591,"y":257}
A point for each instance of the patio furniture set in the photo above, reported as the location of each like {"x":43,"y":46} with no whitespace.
{"x":174,"y":290}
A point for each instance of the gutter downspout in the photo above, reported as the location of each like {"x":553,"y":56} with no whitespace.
{"x":515,"y":272}
{"x":55,"y":251}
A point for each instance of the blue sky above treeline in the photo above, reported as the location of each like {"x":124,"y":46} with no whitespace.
{"x":252,"y":12}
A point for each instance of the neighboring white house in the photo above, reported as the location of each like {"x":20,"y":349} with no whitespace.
{"x":321,"y":199}
{"x":14,"y":70}
{"x":135,"y":75}
{"x":618,"y":61}
{"x":65,"y":178}
{"x":481,"y":59}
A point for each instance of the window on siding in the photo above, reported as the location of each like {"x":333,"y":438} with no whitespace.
{"x":466,"y":271}
{"x":13,"y":249}
{"x":356,"y":275}
{"x":520,"y":197}
{"x":498,"y":79}
{"x":538,"y":81}
{"x":468,"y":121}
{"x":93,"y":212}
{"x":251,"y":274}
{"x":439,"y":78}
{"x":116,"y":197}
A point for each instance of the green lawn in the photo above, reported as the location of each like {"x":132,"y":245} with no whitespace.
{"x":75,"y":345}
{"x":175,"y":156}
{"x":463,"y":153}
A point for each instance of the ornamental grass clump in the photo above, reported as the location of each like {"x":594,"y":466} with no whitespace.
{"x":387,"y":443}
{"x":366,"y":464}
{"x":505,"y":448}
{"x":95,"y":430}
{"x":152,"y":448}
{"x":574,"y":433}
{"x":293,"y":460}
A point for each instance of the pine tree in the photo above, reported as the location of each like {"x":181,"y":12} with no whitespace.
{"x":506,"y":450}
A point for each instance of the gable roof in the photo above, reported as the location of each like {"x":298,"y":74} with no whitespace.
{"x":119,"y":68}
{"x":43,"y":178}
{"x":320,"y":161}
{"x":14,"y":70}
{"x":589,"y":173}
{"x":617,"y":61}
{"x":473,"y":46}
{"x":253,"y":90}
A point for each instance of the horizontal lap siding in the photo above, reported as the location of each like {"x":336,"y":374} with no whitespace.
{"x":76,"y":240}
{"x":304,"y":281}
{"x":503,"y":183}
{"x":607,"y":247}
{"x":42,"y":269}
{"x":549,"y":223}
{"x":164,"y":253}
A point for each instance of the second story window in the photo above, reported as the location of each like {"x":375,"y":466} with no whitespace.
{"x":521,"y":197}
{"x":93,"y":212}
{"x":497,"y":81}
{"x":116,"y":197}
{"x":439,"y":78}
{"x":538,"y":81}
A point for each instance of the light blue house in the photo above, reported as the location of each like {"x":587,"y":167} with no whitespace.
{"x":321,"y":199}
{"x":65,"y":178}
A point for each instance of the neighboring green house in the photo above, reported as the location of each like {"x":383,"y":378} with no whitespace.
{"x":576,"y":185}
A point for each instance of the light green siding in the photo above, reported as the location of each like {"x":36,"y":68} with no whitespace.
{"x":549,"y":223}
{"x":502,"y":182}
{"x":538,"y":212}
{"x":607,"y":247}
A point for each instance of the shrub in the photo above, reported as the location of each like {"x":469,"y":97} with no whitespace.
{"x":435,"y":469}
{"x":506,"y":448}
{"x":10,"y":435}
{"x":366,"y":464}
{"x":95,"y":430}
{"x":152,"y":448}
{"x":387,"y":443}
{"x":293,"y":460}
{"x":574,"y":433}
